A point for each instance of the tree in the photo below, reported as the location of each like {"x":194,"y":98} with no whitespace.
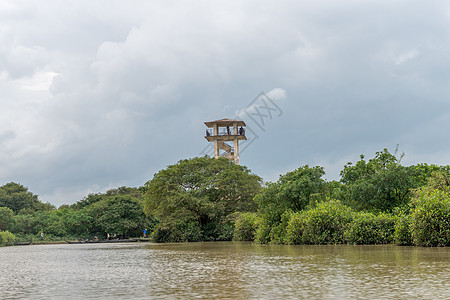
{"x":423,"y":172}
{"x":24,"y":223}
{"x":381,"y":184}
{"x":92,"y":198}
{"x":50,"y":222}
{"x":17,"y":197}
{"x":6,"y":218}
{"x":438,"y":180}
{"x":193,"y":198}
{"x":88,"y":200}
{"x":121,"y":214}
{"x":293,"y":191}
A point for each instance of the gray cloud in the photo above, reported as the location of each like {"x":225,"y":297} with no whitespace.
{"x":97,"y":95}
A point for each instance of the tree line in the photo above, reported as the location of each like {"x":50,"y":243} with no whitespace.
{"x":376,"y":201}
{"x":117,"y":211}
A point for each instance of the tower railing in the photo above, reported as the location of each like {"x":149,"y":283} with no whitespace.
{"x":224,"y":132}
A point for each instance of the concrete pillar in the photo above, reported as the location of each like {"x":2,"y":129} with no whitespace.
{"x":216,"y":149}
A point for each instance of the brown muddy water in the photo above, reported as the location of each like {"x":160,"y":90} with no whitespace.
{"x":223,"y":270}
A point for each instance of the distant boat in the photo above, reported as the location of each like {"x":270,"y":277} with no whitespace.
{"x":117,"y":241}
{"x":105,"y":241}
{"x":22,"y":243}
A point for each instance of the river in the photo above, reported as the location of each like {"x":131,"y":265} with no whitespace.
{"x":223,"y":270}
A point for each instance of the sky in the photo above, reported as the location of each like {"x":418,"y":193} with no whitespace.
{"x":100,"y":94}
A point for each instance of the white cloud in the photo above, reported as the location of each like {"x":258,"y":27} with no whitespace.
{"x":277,"y":94}
{"x":39,"y":81}
{"x":406,"y":56}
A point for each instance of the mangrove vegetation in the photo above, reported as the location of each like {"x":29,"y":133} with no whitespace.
{"x":376,"y":201}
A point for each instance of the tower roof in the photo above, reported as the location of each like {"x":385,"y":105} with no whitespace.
{"x":225,"y":122}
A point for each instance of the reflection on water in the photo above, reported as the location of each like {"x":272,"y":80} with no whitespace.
{"x":225,"y":270}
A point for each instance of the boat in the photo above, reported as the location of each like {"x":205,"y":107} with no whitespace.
{"x":121,"y":241}
{"x":104,"y":241}
{"x":22,"y":243}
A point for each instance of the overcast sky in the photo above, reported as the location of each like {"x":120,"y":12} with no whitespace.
{"x":99,"y":94}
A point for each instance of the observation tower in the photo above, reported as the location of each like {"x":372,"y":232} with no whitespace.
{"x":226,"y":134}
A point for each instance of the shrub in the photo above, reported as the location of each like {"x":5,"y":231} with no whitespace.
{"x":324,"y":224}
{"x":295,"y":228}
{"x":367,"y":228}
{"x":262,"y":234}
{"x":430,"y":218}
{"x":177,"y":232}
{"x":223,"y":231}
{"x":402,"y":234}
{"x":25,"y":223}
{"x":278,"y":233}
{"x":268,"y":231}
{"x":6,"y":238}
{"x":245,"y":227}
{"x":6,"y":218}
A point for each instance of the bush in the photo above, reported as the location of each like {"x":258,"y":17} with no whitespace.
{"x":187,"y":231}
{"x":402,"y":234}
{"x":25,"y":223}
{"x":295,"y":228}
{"x":6,"y":238}
{"x":324,"y":224}
{"x":278,"y":233}
{"x":245,"y":227}
{"x":430,"y":218}
{"x":262,"y":234}
{"x":223,"y":231}
{"x":367,"y":228}
{"x":6,"y":218}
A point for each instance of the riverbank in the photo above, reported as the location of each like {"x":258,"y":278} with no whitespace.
{"x":38,"y":242}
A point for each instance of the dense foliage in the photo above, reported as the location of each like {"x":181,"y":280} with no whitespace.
{"x":194,"y":199}
{"x":294,"y":191}
{"x":6,"y":218}
{"x":245,"y":226}
{"x":6,"y":238}
{"x":376,"y":201}
{"x":17,"y":197}
{"x":430,"y":218}
{"x":118,"y":211}
{"x":368,"y":228}
{"x":381,"y":184}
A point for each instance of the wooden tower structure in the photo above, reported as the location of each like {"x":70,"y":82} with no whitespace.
{"x":226,"y":134}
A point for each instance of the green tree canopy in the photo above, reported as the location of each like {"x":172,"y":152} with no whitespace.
{"x":121,"y":214}
{"x":17,"y":197}
{"x":381,"y":184}
{"x":293,"y":191}
{"x":6,"y":218}
{"x":199,"y":194}
{"x":92,"y":198}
